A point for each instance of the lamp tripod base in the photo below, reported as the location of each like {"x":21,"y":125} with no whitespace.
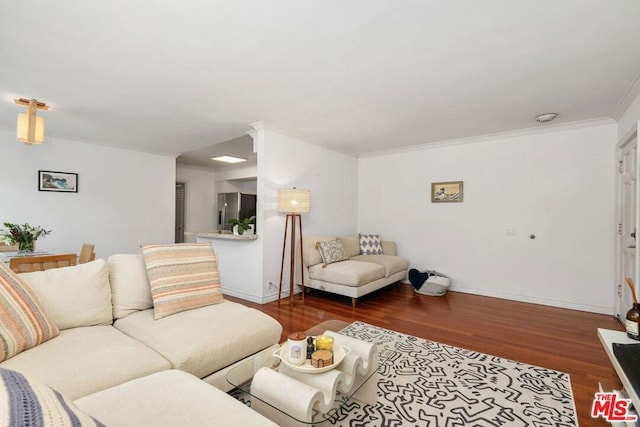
{"x":291,"y":218}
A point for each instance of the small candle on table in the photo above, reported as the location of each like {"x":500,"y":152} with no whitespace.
{"x":324,"y":342}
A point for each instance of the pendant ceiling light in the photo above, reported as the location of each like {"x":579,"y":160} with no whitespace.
{"x":30,"y":127}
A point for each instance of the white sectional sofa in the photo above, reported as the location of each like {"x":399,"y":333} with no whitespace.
{"x":118,"y":364}
{"x":356,"y":276}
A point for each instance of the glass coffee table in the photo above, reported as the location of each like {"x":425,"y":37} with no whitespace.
{"x":277,"y":404}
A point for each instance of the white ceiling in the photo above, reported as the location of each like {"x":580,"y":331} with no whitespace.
{"x":169,"y":76}
{"x":239,"y":147}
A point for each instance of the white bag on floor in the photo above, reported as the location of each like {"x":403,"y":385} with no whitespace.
{"x":436,"y":285}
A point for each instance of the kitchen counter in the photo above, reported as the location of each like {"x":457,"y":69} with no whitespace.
{"x":226,"y":236}
{"x":239,"y":262}
{"x":222,"y":235}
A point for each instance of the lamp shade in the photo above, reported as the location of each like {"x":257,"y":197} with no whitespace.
{"x":294,"y":200}
{"x":30,"y":128}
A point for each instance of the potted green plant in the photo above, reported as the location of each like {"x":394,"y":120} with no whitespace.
{"x":24,"y":235}
{"x":240,"y":226}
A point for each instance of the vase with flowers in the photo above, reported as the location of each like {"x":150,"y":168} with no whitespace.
{"x":23,"y":235}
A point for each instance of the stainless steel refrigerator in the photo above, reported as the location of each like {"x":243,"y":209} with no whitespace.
{"x":234,"y":205}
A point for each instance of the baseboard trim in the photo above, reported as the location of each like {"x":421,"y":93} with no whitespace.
{"x":255,"y":298}
{"x":599,"y":309}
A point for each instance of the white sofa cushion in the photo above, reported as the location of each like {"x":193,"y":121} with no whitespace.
{"x":74,"y":296}
{"x":349,"y":273}
{"x":351,"y":245}
{"x":25,"y":401}
{"x":130,"y":289}
{"x":81,"y":361}
{"x":389,"y":248}
{"x":203,"y":340}
{"x":391,"y":264}
{"x":170,"y":398}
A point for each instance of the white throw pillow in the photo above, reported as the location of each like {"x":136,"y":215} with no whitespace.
{"x":74,"y":296}
{"x":130,"y":289}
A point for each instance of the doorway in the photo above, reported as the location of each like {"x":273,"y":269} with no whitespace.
{"x":180,"y":211}
{"x":627,"y":225}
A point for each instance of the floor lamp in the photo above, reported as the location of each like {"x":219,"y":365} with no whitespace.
{"x":293,"y":202}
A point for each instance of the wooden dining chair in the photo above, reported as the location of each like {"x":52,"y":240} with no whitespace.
{"x":86,"y":253}
{"x":26,"y":264}
{"x":8,"y":248}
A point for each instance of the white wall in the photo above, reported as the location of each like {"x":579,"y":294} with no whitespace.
{"x":125,"y":198}
{"x":330,"y":176}
{"x":237,"y":186}
{"x":200,"y":198}
{"x":237,"y":174}
{"x":240,"y":265}
{"x":284,"y":161}
{"x":237,"y":180}
{"x":559,"y":186}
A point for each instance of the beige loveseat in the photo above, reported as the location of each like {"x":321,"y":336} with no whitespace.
{"x":118,"y":364}
{"x":356,"y":276}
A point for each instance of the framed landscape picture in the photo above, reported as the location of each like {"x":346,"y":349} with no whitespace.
{"x":446,"y":192}
{"x":65,"y":182}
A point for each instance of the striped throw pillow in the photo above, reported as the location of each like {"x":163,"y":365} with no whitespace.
{"x":183,"y":276}
{"x":26,"y":402}
{"x":23,"y":321}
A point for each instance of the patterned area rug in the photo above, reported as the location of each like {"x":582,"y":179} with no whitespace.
{"x":431,"y":384}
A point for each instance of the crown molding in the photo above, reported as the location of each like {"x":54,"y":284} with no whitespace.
{"x":494,"y":136}
{"x":630,"y":95}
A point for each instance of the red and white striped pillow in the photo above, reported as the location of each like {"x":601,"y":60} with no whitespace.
{"x":183,"y":276}
{"x":23,"y":321}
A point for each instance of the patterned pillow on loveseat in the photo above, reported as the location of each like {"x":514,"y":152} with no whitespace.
{"x":370,"y":244}
{"x":331,"y":251}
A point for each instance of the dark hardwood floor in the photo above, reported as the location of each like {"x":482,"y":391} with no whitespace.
{"x":555,"y":338}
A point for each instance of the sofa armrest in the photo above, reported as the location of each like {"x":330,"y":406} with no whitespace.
{"x":388,"y":247}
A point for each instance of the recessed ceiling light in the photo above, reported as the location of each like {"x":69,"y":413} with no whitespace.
{"x":229,"y":159}
{"x":546,"y":117}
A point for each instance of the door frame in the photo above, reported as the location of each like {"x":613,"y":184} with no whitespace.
{"x":180,"y":239}
{"x":620,"y":287}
